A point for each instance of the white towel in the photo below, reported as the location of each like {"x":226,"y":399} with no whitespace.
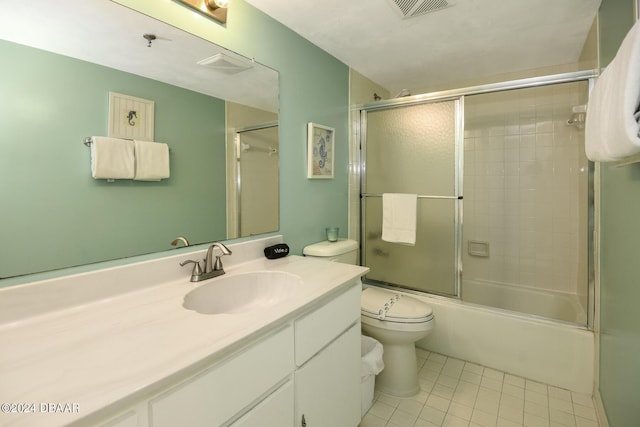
{"x":399,"y":216}
{"x":611,"y":129}
{"x":111,"y":158}
{"x":152,"y":160}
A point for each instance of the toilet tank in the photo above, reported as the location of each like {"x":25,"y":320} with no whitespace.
{"x":344,"y":251}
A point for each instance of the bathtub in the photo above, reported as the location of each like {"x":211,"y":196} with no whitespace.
{"x":540,"y":302}
{"x":541,"y":350}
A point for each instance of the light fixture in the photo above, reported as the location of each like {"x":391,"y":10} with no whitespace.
{"x":216,"y":9}
{"x":214,"y":4}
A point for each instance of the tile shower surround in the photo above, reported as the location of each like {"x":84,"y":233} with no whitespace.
{"x":525,"y":189}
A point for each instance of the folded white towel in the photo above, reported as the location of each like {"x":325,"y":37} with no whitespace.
{"x":611,"y":129}
{"x":111,"y":158}
{"x":399,"y":216}
{"x":152,"y":160}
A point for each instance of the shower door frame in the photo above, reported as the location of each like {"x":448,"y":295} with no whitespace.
{"x":457,"y":198}
{"x":459,"y":94}
{"x":237,"y":142}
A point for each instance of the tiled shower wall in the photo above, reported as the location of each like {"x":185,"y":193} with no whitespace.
{"x":525,"y":188}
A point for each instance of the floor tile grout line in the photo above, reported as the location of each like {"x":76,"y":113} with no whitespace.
{"x":535,"y":387}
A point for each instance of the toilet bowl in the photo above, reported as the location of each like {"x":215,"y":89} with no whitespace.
{"x":397,"y":321}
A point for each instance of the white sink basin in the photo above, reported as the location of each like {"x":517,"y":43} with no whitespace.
{"x":241,"y":293}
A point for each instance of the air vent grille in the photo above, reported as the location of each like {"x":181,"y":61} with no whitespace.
{"x":225,"y":64}
{"x":413,"y":8}
{"x":430,"y":6}
{"x":405,"y":5}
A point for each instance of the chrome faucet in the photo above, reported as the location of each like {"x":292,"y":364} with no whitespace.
{"x":178,"y":239}
{"x":209,"y":265}
{"x":211,"y":268}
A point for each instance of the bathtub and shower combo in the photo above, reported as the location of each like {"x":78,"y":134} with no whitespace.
{"x":504,"y":221}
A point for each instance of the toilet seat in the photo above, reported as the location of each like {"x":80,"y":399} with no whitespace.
{"x":388,"y":306}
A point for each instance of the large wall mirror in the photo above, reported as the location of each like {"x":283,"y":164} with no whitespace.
{"x":217,"y":111}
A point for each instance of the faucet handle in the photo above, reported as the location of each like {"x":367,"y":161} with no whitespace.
{"x":197,"y":270}
{"x":217,"y":266}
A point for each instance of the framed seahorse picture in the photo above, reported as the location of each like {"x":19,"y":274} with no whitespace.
{"x":320,"y":154}
{"x":130,"y":117}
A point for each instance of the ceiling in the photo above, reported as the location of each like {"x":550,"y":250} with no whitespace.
{"x":469,"y":39}
{"x":106,"y":33}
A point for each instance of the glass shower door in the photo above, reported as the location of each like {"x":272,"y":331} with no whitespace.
{"x":414,"y":149}
{"x":257,"y":181}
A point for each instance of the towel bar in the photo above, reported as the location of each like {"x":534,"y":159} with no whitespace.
{"x":419,"y":196}
{"x":89,"y":140}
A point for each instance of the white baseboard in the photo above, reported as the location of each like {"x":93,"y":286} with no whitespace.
{"x":600,"y":412}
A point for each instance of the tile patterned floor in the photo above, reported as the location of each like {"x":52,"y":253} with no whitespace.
{"x":456,"y":393}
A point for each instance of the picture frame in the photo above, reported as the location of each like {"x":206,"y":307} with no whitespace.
{"x":320,"y":151}
{"x":131,"y":117}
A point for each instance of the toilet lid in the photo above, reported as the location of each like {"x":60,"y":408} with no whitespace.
{"x":392,"y":306}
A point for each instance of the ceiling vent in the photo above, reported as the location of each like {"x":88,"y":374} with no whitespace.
{"x":225,"y":63}
{"x":412,"y":8}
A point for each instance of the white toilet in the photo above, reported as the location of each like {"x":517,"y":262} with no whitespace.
{"x":394,"y":319}
{"x":344,"y":251}
{"x":397,"y":321}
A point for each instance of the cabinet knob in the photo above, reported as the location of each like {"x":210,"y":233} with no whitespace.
{"x":304,"y":422}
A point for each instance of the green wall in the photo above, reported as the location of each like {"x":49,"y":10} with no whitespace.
{"x":620,"y":269}
{"x":53,"y":213}
{"x":314,"y":87}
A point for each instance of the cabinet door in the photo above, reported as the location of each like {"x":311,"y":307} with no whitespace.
{"x":318,"y":328}
{"x":218,"y":394}
{"x":328,"y":386}
{"x":275,"y":410}
{"x":130,"y":419}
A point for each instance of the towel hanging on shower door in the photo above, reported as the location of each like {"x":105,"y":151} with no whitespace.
{"x":399,"y":217}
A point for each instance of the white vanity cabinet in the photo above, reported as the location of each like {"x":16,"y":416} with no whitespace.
{"x":275,"y":410}
{"x":328,"y":386}
{"x":215,"y":396}
{"x":130,"y":419}
{"x":327,"y":380}
{"x":306,"y":369}
{"x":134,"y":355}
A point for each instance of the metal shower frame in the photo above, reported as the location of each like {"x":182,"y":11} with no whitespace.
{"x":459,"y":95}
{"x":238,"y":178}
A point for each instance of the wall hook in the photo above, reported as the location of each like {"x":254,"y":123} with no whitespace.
{"x":130,"y":117}
{"x":149,"y":38}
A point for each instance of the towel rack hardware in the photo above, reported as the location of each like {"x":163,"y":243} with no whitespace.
{"x":419,"y":196}
{"x":88,"y":141}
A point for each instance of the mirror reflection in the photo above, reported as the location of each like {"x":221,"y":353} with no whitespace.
{"x":219,"y":120}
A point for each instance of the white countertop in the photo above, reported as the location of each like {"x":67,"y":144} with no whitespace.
{"x":130,"y":345}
